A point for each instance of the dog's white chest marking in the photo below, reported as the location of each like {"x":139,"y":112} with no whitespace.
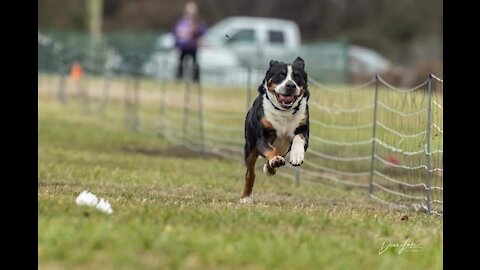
{"x":285,"y":123}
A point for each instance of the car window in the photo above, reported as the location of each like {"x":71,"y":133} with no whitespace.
{"x":244,"y":35}
{"x":276,"y":37}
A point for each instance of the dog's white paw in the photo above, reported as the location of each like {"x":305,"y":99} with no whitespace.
{"x":276,"y":161}
{"x":248,"y":199}
{"x":296,"y":157}
{"x":268,"y":172}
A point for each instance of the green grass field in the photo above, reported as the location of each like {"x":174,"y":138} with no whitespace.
{"x":178,"y":210}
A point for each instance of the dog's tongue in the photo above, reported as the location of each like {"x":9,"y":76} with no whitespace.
{"x":285,"y":98}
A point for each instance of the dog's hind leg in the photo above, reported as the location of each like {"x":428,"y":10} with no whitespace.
{"x":250,"y":160}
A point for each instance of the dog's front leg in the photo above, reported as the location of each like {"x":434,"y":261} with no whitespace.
{"x":297,"y":153}
{"x":273,"y":159}
{"x":300,"y":143}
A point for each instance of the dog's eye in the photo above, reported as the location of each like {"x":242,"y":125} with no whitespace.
{"x":281,"y":75}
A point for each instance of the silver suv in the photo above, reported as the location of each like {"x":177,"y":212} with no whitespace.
{"x":255,"y":41}
{"x":234,"y":44}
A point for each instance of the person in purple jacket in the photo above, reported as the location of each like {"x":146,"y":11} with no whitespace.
{"x":187,"y":31}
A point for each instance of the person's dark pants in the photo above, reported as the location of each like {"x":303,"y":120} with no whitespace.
{"x":182,"y":62}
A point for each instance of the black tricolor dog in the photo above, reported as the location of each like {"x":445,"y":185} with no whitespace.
{"x":277,"y":123}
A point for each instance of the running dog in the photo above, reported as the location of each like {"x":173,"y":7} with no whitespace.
{"x":277,"y":123}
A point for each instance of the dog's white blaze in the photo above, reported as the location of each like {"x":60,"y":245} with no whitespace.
{"x":284,"y":122}
{"x":298,"y":150}
{"x":289,"y":72}
{"x":281,"y":87}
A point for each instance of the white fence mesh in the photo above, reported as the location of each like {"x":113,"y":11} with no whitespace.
{"x":374,"y":136}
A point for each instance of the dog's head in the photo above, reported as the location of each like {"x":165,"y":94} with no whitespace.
{"x":285,"y":84}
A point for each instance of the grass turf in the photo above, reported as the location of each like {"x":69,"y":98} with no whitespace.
{"x":177,"y":210}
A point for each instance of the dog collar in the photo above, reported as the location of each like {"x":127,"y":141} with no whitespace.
{"x":295,"y":110}
{"x":266,"y":95}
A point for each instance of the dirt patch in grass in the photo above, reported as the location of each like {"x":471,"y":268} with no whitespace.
{"x":172,"y":151}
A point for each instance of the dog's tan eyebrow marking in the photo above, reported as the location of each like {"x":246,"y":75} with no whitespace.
{"x":271,"y":86}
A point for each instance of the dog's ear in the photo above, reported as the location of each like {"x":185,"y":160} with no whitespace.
{"x":273,"y":62}
{"x":261,"y":88}
{"x":306,"y":94}
{"x":299,"y":62}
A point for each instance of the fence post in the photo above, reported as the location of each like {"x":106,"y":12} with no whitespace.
{"x":39,"y":85}
{"x":374,"y":135}
{"x":346,"y":69}
{"x":249,"y":78}
{"x":85,"y":87}
{"x":200,"y":118}
{"x":185,"y":103}
{"x":163,"y":94}
{"x":81,"y":91}
{"x":126,"y":99}
{"x":297,"y":176}
{"x":106,"y":86}
{"x":136,"y":92}
{"x":61,"y":88}
{"x":47,"y":83}
{"x":62,"y":81}
{"x":427,"y":145}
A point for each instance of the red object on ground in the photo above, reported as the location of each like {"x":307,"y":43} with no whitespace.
{"x":394,"y":160}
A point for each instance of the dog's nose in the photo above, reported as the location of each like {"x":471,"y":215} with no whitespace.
{"x":290,"y":87}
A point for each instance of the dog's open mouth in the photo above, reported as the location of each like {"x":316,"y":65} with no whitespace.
{"x":285,"y":100}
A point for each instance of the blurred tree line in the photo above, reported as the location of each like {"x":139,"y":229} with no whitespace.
{"x":402,"y":30}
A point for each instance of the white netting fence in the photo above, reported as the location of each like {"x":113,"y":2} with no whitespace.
{"x":376,"y":137}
